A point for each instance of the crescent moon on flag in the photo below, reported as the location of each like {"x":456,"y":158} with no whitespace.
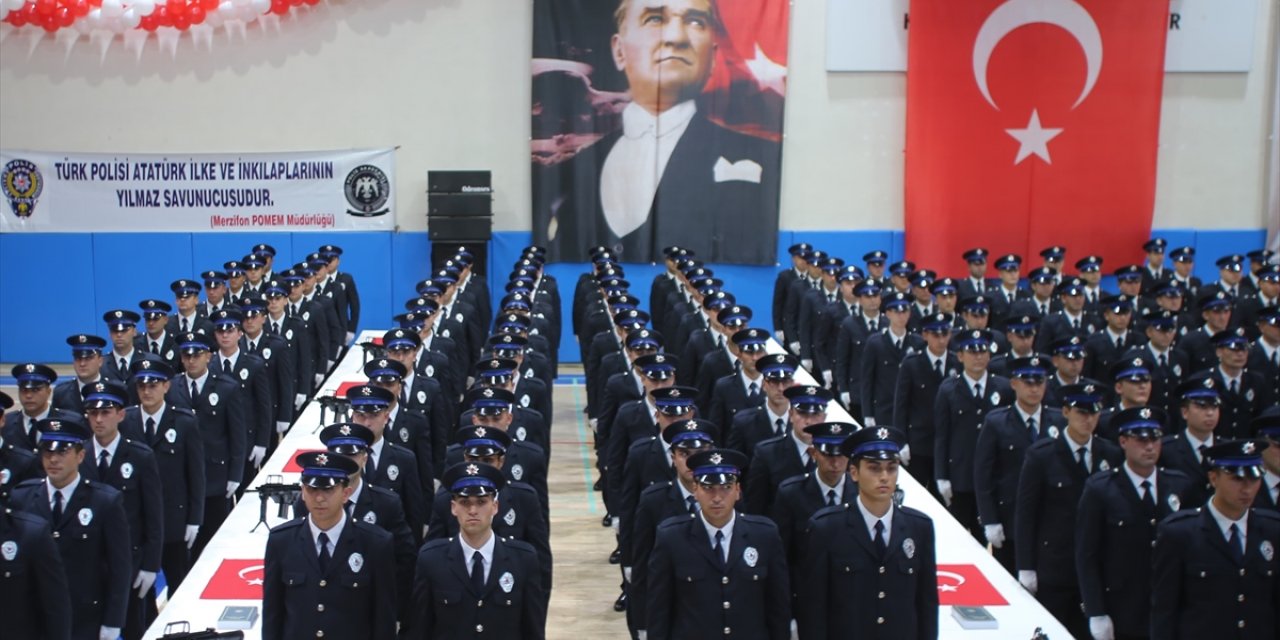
{"x":1066,"y":14}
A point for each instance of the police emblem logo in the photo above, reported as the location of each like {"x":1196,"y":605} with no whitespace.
{"x":750,"y":556}
{"x":384,"y":363}
{"x":1075,"y":339}
{"x":82,"y":339}
{"x":322,"y":459}
{"x":345,"y":430}
{"x":1248,"y":448}
{"x":1208,"y":383}
{"x":1088,"y":388}
{"x":480,"y":431}
{"x":9,"y":550}
{"x":1173,"y":502}
{"x":507,"y":582}
{"x":368,"y":190}
{"x":882,"y":433}
{"x":213,"y":399}
{"x":85,"y":516}
{"x":494,"y":364}
{"x":836,"y":429}
{"x":659,"y":358}
{"x":126,"y":471}
{"x":1053,"y":432}
{"x":1144,"y":413}
{"x":521,"y":433}
{"x":366,"y":391}
{"x":1239,"y":331}
{"x":244,"y":374}
{"x":1266,"y":549}
{"x":393,"y":472}
{"x":355,"y":561}
{"x":675,"y":393}
{"x":171,"y":436}
{"x":488,"y":393}
{"x":510,"y":518}
{"x":371,"y":518}
{"x":909,"y":548}
{"x":715,"y":458}
{"x":810,"y":391}
{"x":472,"y":470}
{"x":1104,"y":466}
{"x":55,"y":425}
{"x":23,"y":185}
{"x":404,"y":435}
{"x":5,"y":476}
{"x":995,"y":398}
{"x":517,"y":471}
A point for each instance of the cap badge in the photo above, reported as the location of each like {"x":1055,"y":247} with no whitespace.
{"x":488,"y":393}
{"x":1248,"y":448}
{"x":1208,"y":383}
{"x":82,"y":339}
{"x":1145,"y":413}
{"x":55,"y":425}
{"x":119,"y":314}
{"x":366,"y":391}
{"x":480,"y":431}
{"x":472,"y":470}
{"x":882,"y":433}
{"x":322,"y":459}
{"x":675,"y":393}
{"x":31,"y":368}
{"x":1089,"y":389}
{"x":715,"y":458}
{"x":345,"y":430}
{"x":810,"y":390}
{"x":836,"y":429}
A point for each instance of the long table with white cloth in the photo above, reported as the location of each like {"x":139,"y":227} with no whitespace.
{"x":230,"y":571}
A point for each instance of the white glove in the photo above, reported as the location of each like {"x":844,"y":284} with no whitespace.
{"x":778,"y":335}
{"x":794,"y":347}
{"x":350,"y":336}
{"x":868,"y":421}
{"x":593,"y":422}
{"x":995,"y":534}
{"x":257,"y":456}
{"x":626,"y":574}
{"x":807,"y":363}
{"x":905,"y":454}
{"x":1028,"y":581}
{"x":190,"y":537}
{"x":844,"y":398}
{"x":617,"y":525}
{"x":319,"y":379}
{"x":331,"y":363}
{"x":282,"y":426}
{"x":1101,"y":628}
{"x":109,"y":633}
{"x":826,"y":376}
{"x":232,"y":485}
{"x":944,"y":489}
{"x":642,"y":634}
{"x":299,"y":400}
{"x":143,"y":583}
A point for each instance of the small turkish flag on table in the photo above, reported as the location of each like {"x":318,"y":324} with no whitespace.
{"x":236,"y":580}
{"x":964,"y":585}
{"x":1032,"y":123}
{"x":341,"y":391}
{"x":292,"y":465}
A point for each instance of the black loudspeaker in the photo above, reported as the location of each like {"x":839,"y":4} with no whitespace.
{"x":452,"y":204}
{"x":459,"y":228}
{"x":459,"y":182}
{"x":441,"y":251}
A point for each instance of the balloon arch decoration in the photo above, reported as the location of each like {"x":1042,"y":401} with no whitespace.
{"x":96,"y":18}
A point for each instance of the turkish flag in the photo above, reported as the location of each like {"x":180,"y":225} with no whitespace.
{"x":1032,"y":123}
{"x":236,"y":580}
{"x":748,"y":78}
{"x":292,"y":465}
{"x":964,"y":585}
{"x":341,"y":391}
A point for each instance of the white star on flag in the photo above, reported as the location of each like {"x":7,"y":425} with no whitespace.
{"x":1033,"y":140}
{"x":769,"y":75}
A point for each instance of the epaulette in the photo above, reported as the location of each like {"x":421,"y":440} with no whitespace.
{"x":296,"y":522}
{"x":1185,"y":514}
{"x":183,"y":410}
{"x":914,"y":513}
{"x":794,"y":480}
{"x":827,"y":512}
{"x":438,"y":542}
{"x":31,"y":482}
{"x":657,"y":487}
{"x":1265,"y":514}
{"x":675,"y":521}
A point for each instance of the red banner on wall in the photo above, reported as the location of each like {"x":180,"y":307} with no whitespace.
{"x":1032,"y":123}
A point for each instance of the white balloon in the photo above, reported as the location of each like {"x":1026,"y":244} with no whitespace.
{"x":227,"y":8}
{"x":130,"y":18}
{"x":114,"y":25}
{"x":93,"y":18}
{"x":240,"y":3}
{"x":143,"y":7}
{"x":260,"y":6}
{"x":112,"y":8}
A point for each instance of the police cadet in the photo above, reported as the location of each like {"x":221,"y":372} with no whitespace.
{"x":1264,"y":356}
{"x":173,"y":433}
{"x":975,"y":313}
{"x":296,"y":334}
{"x":882,"y":358}
{"x":1243,"y":392}
{"x":1067,"y":356}
{"x":1007,"y":292}
{"x":1002,"y":443}
{"x":281,"y":361}
{"x":335,"y":280}
{"x":962,"y":405}
{"x":718,"y":574}
{"x":1215,"y":570}
{"x":1184,"y":262}
{"x":1104,"y":348}
{"x":390,"y":465}
{"x":1231,"y":280}
{"x":477,"y":584}
{"x":524,"y":461}
{"x":405,"y":428}
{"x":1153,"y":271}
{"x":1249,"y":310}
{"x":328,"y":574}
{"x":121,"y":329}
{"x":743,"y":389}
{"x":218,"y":404}
{"x":35,"y":391}
{"x":423,"y":392}
{"x":976,"y":282}
{"x":87,"y":518}
{"x":753,"y":425}
{"x":186,"y":295}
{"x":16,"y":463}
{"x":830,"y":321}
{"x":323,"y":308}
{"x":868,"y":564}
{"x":215,"y":293}
{"x":1073,"y":319}
{"x":1021,"y":334}
{"x":156,"y":339}
{"x":1041,"y":301}
{"x":919,"y":378}
{"x":1116,"y":528}
{"x":1132,"y":388}
{"x":851,"y":342}
{"x":786,"y":455}
{"x":33,"y":582}
{"x":531,"y":401}
{"x":1200,"y":406}
{"x":1267,"y":426}
{"x":641,"y":420}
{"x":1215,"y":312}
{"x":314,"y":324}
{"x":799,"y":497}
{"x":814,"y":303}
{"x":1049,"y":488}
{"x":371,"y":505}
{"x":250,"y":372}
{"x":86,"y":359}
{"x":1167,"y":365}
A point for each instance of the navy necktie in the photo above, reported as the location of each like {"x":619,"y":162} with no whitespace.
{"x":324,"y":552}
{"x":1234,"y":543}
{"x":831,"y":497}
{"x":477,"y":572}
{"x":879,"y":541}
{"x":104,"y":466}
{"x":693,"y":504}
{"x":720,"y":547}
{"x":57,"y":506}
{"x":151,"y":429}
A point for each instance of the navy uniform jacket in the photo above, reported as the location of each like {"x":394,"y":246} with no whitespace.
{"x":634,"y":422}
{"x":1240,"y":407}
{"x":325,"y":311}
{"x":781,"y":284}
{"x":397,"y":472}
{"x":914,"y":395}
{"x":1201,"y":354}
{"x":524,"y":462}
{"x":411,"y":431}
{"x":16,"y":464}
{"x":1001,"y":308}
{"x":1270,"y":372}
{"x":66,"y":396}
{"x":799,"y":497}
{"x":699,"y":343}
{"x":527,"y":425}
{"x":850,"y":343}
{"x":1114,"y":536}
{"x":598,"y":382}
{"x":880,"y":364}
{"x":693,"y":594}
{"x":134,"y":473}
{"x":512,"y":603}
{"x":1265,"y":498}
{"x":620,"y":389}
{"x":298,"y":336}
{"x":1164,"y":379}
{"x":221,"y":414}
{"x":197,"y":324}
{"x":33,"y":584}
{"x":282,"y":372}
{"x":442,"y":361}
{"x":658,"y":502}
{"x":165,"y":348}
{"x":1057,"y":326}
{"x":1200,"y":591}
{"x":354,"y":598}
{"x":259,"y":405}
{"x":15,"y":428}
{"x":94,"y":556}
{"x":845,"y":580}
{"x":997,"y":459}
{"x":1176,"y":453}
{"x":1100,"y":353}
{"x":751,"y":427}
{"x":795,"y":300}
{"x":426,"y":397}
{"x":647,"y":463}
{"x":826,"y":337}
{"x":1048,"y":496}
{"x":111,"y":369}
{"x":957,"y":419}
{"x":728,"y":398}
{"x":179,"y":455}
{"x":715,"y":365}
{"x":775,"y":460}
{"x":809,"y":322}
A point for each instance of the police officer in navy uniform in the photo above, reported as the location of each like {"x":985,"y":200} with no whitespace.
{"x":186,"y":294}
{"x":919,"y":378}
{"x":1264,"y":356}
{"x":121,"y":330}
{"x":786,"y":455}
{"x":1267,"y":426}
{"x":718,"y":573}
{"x":408,"y":429}
{"x":281,"y":362}
{"x":1109,"y":344}
{"x":87,"y":518}
{"x":1073,"y":319}
{"x":477,"y":584}
{"x":869,"y":564}
{"x":296,"y":333}
{"x":328,"y":574}
{"x":754,"y":425}
{"x":35,"y":391}
{"x":1215,"y":573}
{"x":1200,"y":406}
{"x":173,"y":433}
{"x":33,"y":582}
{"x":349,"y":308}
{"x":86,"y":352}
{"x":524,"y":461}
{"x":16,"y":463}
{"x":1116,"y":528}
{"x":250,"y":372}
{"x":744,"y":388}
{"x":1053,"y":476}
{"x":782,"y":285}
{"x":882,"y":357}
{"x":1216,"y":314}
{"x":156,"y":338}
{"x":389,"y":465}
{"x":851,"y":342}
{"x":1167,"y":364}
{"x":799,"y":497}
{"x":1244,"y":394}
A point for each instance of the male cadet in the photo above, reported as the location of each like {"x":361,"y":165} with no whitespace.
{"x":250,"y":372}
{"x":157,"y":339}
{"x":1053,"y":476}
{"x":335,"y":279}
{"x":477,"y":583}
{"x":280,"y":359}
{"x":371,"y":505}
{"x":815,"y":303}
{"x":1021,"y":334}
{"x":1132,"y":388}
{"x":1005,"y":293}
{"x":254,"y":271}
{"x":1129,"y":282}
{"x":86,"y":359}
{"x":16,"y":463}
{"x":900,"y":274}
{"x":1264,"y":356}
{"x":869,"y":564}
{"x":828,"y":332}
{"x":1153,"y":271}
{"x":526,"y":423}
{"x":743,"y":389}
{"x":1072,"y":320}
{"x":405,"y":428}
{"x":1216,"y":312}
{"x":787,"y":455}
{"x":976,"y":282}
{"x":423,"y":392}
{"x":851,"y":342}
{"x":1067,"y":355}
{"x":962,"y":404}
{"x":336,"y":296}
{"x":922,"y":305}
{"x":1267,"y":426}
{"x":219,"y":406}
{"x":390,"y":465}
{"x":121,"y":329}
{"x":1116,"y":528}
{"x":323,"y":307}
{"x":1201,"y":406}
{"x":235,"y":280}
{"x":975,"y":313}
{"x":1002,"y":444}
{"x":305,"y":555}
{"x":883,"y":356}
{"x":1104,"y":348}
{"x":1231,"y":280}
{"x":215,"y":293}
{"x":718,"y":573}
{"x":87,"y":518}
{"x":641,"y":420}
{"x":1244,"y":394}
{"x":316,"y":329}
{"x":811,"y":280}
{"x":723,"y":360}
{"x":1041,"y":301}
{"x":1249,"y":310}
{"x":1259,"y":259}
{"x":265,"y":257}
{"x":799,"y":497}
{"x":35,"y":389}
{"x":129,"y":466}
{"x":186,"y":296}
{"x":754,"y":425}
{"x":524,"y":461}
{"x":1054,"y":259}
{"x":1090,"y":268}
{"x":781,"y":286}
{"x":919,"y":379}
{"x":1165,"y":363}
{"x":1215,"y":573}
{"x":173,"y":433}
{"x":1184,"y":262}
{"x":296,"y":334}
{"x":33,"y":582}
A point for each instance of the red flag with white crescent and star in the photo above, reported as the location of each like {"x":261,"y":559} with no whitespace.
{"x":1032,"y":123}
{"x":964,"y":585}
{"x":236,"y":579}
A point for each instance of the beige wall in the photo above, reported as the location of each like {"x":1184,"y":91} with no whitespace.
{"x":425,"y":75}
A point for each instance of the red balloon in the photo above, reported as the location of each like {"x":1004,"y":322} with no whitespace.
{"x":46,"y":7}
{"x":295,"y":3}
{"x":95,"y":3}
{"x":279,"y":7}
{"x":176,"y":6}
{"x":65,"y":16}
{"x":161,"y":14}
{"x":50,"y":23}
{"x":16,"y":18}
{"x":181,"y":21}
{"x":81,"y":8}
{"x":209,"y":5}
{"x":148,"y":23}
{"x":196,"y":14}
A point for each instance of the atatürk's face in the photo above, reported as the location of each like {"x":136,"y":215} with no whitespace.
{"x":666,"y":49}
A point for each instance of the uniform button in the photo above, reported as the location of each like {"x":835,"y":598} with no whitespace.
{"x":1240,"y":624}
{"x":1240,"y":598}
{"x":727,"y":631}
{"x":324,"y":583}
{"x":881,"y":595}
{"x":320,"y":608}
{"x":724,"y":580}
{"x":879,"y":620}
{"x":320,"y":633}
{"x":726,"y":604}
{"x":479,"y":628}
{"x":881,"y":569}
{"x":1242,"y":572}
